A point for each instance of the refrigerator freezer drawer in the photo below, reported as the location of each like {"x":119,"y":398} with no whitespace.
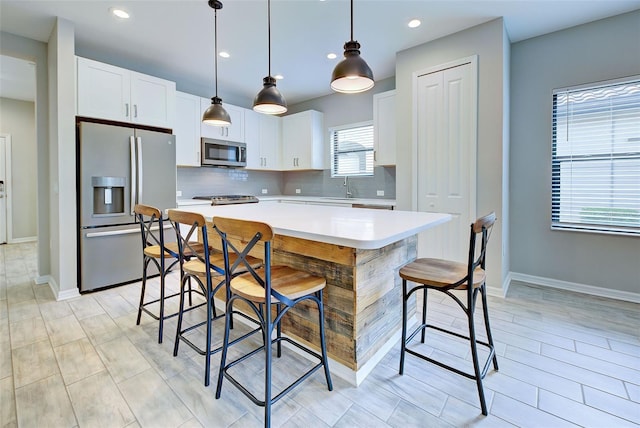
{"x":113,"y":255}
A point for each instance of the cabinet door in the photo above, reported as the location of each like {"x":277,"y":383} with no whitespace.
{"x":235,"y":132}
{"x":187,"y":129}
{"x":152,"y":100}
{"x":252,"y":139}
{"x":103,"y":91}
{"x":270,"y":130}
{"x":302,"y":141}
{"x":384,"y":128}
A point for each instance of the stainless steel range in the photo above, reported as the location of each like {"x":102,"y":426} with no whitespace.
{"x":228,"y":199}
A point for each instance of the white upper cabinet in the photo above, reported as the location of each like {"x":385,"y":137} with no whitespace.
{"x":262,"y":135}
{"x":384,"y":128}
{"x":187,"y":129}
{"x":303,"y":141}
{"x":108,"y":92}
{"x":234,"y":132}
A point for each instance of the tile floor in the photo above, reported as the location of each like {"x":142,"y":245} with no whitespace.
{"x":565,"y":360}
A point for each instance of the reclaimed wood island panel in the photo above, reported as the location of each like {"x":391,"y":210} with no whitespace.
{"x":359,"y":252}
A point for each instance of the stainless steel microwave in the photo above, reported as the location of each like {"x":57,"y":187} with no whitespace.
{"x":223,"y":153}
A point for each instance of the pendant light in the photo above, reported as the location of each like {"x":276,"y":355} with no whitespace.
{"x":269,"y":100}
{"x":216,"y":115}
{"x":352,"y":74}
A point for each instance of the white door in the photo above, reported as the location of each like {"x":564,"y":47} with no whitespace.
{"x":3,"y":196}
{"x":446,"y":149}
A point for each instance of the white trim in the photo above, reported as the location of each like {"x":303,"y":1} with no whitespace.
{"x":55,"y":288}
{"x":22,"y":240}
{"x":576,"y":287}
{"x":502,"y":291}
{"x":7,"y":188}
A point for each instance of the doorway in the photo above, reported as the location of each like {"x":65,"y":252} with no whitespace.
{"x":446,"y":117}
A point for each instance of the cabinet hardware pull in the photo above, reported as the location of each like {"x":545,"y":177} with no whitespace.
{"x":126,"y":109}
{"x":135,"y":110}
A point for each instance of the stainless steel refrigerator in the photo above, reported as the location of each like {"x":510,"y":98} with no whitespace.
{"x":117,"y":168}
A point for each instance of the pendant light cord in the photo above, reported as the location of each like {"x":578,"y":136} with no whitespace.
{"x":269,"y":32}
{"x":215,"y":43}
{"x":352,"y":20}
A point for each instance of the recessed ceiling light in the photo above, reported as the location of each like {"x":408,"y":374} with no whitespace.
{"x":414,"y":23}
{"x":120,"y":13}
{"x":278,"y":77}
{"x":224,"y":54}
{"x":332,"y":56}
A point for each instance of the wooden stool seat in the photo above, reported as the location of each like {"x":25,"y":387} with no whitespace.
{"x":441,"y":273}
{"x":287,"y":281}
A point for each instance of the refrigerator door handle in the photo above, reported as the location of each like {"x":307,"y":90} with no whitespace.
{"x":133,"y":184}
{"x":121,"y":232}
{"x":140,"y":174}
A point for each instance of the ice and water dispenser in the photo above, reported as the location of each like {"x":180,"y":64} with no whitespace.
{"x":108,"y":195}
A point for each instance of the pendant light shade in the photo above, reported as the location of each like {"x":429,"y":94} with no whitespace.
{"x":352,"y":74}
{"x":216,"y":115}
{"x":269,"y":100}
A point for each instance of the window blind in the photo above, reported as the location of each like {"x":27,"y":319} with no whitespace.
{"x":352,"y":150}
{"x":596,"y":157}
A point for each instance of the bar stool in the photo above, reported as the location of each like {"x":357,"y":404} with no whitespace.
{"x":279,"y":286}
{"x":203,"y":267}
{"x":156,"y":250}
{"x":445,"y":276}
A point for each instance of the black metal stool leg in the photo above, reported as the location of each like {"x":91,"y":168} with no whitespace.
{"x":279,"y":331}
{"x":424,"y":313}
{"x":162,"y":293}
{"x":403,"y":342}
{"x":180,"y":313}
{"x":267,"y":328}
{"x":474,"y":352}
{"x":207,"y":349}
{"x":483,"y":292}
{"x":225,"y":346}
{"x":145,"y":263}
{"x":323,"y":342}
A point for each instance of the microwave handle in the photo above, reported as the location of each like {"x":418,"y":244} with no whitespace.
{"x":242,"y":154}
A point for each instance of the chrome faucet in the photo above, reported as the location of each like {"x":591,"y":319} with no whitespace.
{"x":346,"y":187}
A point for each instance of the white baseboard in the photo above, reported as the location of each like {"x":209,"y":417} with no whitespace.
{"x":23,"y":240}
{"x":502,"y":291}
{"x":579,"y":288}
{"x":55,"y":288}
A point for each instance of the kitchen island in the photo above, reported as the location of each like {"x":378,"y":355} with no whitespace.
{"x":359,"y":252}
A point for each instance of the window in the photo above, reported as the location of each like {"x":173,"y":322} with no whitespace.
{"x":596,"y":157}
{"x":352,"y":150}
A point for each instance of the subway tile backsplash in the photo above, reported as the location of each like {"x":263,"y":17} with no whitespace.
{"x":225,"y":181}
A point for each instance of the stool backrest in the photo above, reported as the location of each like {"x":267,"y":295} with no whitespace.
{"x":151,"y":227}
{"x":240,"y":237}
{"x":188,"y":246}
{"x":481,"y":227}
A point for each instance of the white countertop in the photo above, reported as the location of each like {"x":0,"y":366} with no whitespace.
{"x":357,"y":228}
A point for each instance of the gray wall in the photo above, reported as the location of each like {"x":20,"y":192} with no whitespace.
{"x":18,"y":119}
{"x":601,"y":50}
{"x":488,"y":42}
{"x":35,"y":51}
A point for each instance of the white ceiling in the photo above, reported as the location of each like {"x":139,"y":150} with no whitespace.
{"x":174,"y":39}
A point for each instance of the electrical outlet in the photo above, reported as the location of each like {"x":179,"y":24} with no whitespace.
{"x":264,"y":191}
{"x":178,"y":193}
{"x":298,"y":191}
{"x":380,"y":193}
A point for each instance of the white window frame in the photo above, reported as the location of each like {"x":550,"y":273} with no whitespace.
{"x":360,"y":173}
{"x":580,"y":163}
